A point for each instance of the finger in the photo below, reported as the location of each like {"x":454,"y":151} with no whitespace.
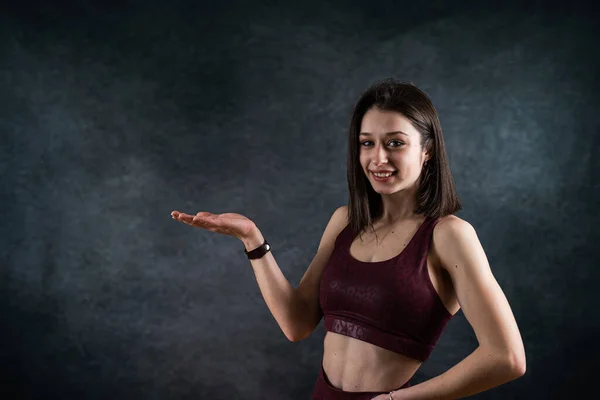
{"x":195,"y":224}
{"x":183,"y":217}
{"x":204,"y":220}
{"x":176,"y":214}
{"x":205,"y":214}
{"x":206,"y":223}
{"x":207,"y":218}
{"x":184,"y":220}
{"x":211,"y":223}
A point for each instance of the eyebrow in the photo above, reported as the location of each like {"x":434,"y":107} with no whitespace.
{"x":386,"y":134}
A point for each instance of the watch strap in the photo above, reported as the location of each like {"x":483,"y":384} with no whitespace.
{"x":259,"y":251}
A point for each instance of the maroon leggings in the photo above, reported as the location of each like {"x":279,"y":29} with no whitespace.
{"x":325,"y":391}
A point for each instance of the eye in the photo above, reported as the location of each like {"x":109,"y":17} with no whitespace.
{"x":399,"y":143}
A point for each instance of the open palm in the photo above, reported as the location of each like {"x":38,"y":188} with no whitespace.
{"x":231,"y":224}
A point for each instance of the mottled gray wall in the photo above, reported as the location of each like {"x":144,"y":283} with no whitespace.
{"x":112,"y":114}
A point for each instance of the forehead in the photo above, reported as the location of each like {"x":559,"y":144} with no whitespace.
{"x":379,"y":122}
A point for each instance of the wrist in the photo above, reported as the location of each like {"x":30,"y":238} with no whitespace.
{"x":398,"y":394}
{"x":253,"y":240}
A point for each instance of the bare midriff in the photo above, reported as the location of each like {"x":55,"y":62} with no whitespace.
{"x":352,"y":365}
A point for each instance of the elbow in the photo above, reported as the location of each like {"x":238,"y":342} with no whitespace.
{"x":296,"y":337}
{"x":291,"y":338}
{"x":303,"y":326}
{"x":300,"y":333}
{"x":520,"y":367}
{"x":517,"y":364}
{"x":290,"y":334}
{"x":507,"y":363}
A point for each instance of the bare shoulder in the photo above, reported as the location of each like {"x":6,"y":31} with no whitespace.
{"x":450,"y":233}
{"x":337,"y":222}
{"x":340,"y":217}
{"x":451,"y":223}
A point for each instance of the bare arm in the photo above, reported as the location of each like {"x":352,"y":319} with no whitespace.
{"x":297,"y":311}
{"x":500,"y":356}
{"x":280,"y":296}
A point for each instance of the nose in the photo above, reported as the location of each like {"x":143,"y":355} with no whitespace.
{"x":380,"y":156}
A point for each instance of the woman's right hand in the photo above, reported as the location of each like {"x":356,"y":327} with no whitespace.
{"x":231,"y":224}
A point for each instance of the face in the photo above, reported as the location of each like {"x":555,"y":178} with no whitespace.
{"x":401,"y":151}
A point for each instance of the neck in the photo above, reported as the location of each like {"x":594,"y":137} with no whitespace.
{"x":398,"y":206}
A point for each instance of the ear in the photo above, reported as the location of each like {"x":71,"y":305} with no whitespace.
{"x":426,"y":151}
{"x":427,"y":156}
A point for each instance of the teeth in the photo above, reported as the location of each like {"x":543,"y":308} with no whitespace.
{"x":383,"y":175}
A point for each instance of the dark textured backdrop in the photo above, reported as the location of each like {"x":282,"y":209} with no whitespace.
{"x":112,"y":114}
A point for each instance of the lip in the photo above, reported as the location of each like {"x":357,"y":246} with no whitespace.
{"x":389,"y":178}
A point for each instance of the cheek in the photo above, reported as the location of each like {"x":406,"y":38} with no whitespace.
{"x":364,"y":161}
{"x":408,"y":170}
{"x":404,"y":174}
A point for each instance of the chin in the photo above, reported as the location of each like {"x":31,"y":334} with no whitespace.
{"x":388,"y":190}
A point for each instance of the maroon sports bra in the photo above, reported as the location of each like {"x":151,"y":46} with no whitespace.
{"x":391,"y":303}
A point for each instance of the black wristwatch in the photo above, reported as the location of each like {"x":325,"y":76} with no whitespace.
{"x":259,"y":251}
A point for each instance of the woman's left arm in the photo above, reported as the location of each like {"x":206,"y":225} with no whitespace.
{"x":500,"y":356}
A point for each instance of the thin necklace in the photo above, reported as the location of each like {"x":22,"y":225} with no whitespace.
{"x":378,"y":242}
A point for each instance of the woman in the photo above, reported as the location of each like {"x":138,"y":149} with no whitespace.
{"x":393,"y":266}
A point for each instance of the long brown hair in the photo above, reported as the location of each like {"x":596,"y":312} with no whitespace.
{"x":436,"y":193}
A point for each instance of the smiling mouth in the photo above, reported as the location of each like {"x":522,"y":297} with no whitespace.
{"x":386,"y":175}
